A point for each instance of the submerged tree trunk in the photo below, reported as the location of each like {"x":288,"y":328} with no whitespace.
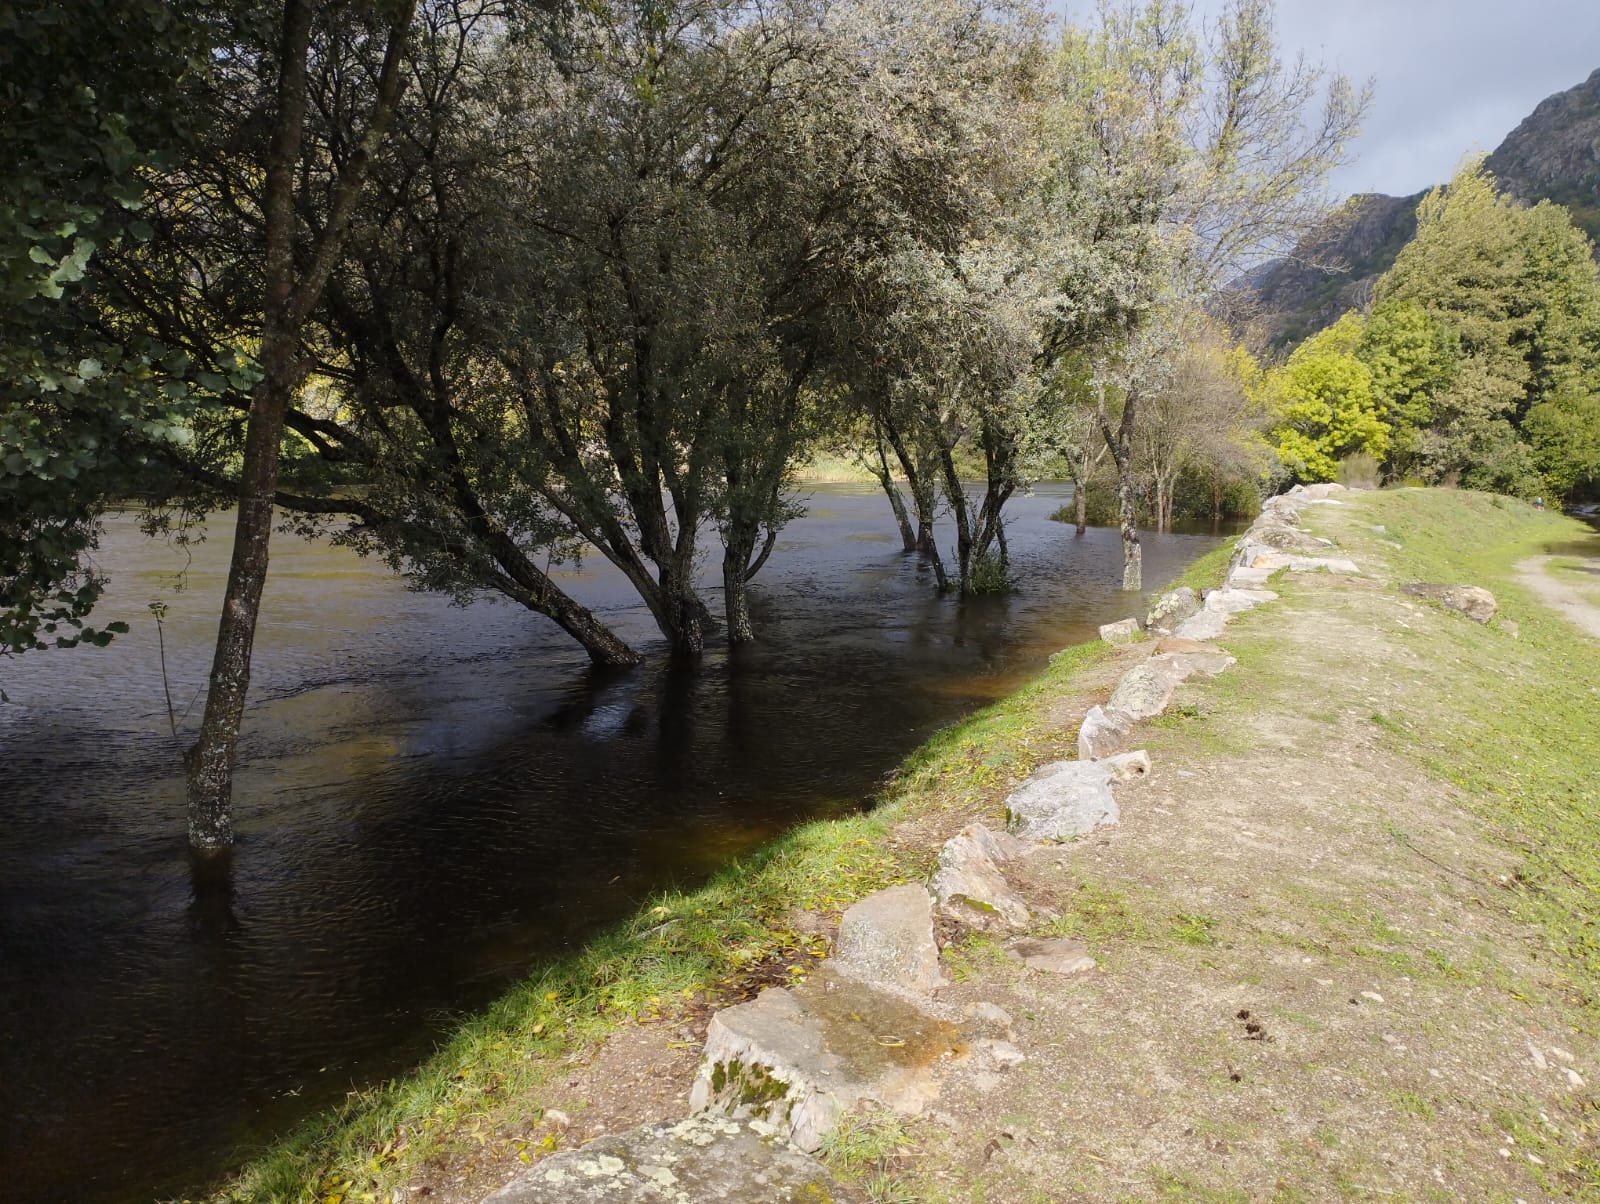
{"x":908,"y":538}
{"x":1080,"y":506}
{"x":922,"y":497}
{"x":1119,"y":441}
{"x":287,"y":302}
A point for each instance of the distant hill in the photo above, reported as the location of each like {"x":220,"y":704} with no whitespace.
{"x":1553,"y":154}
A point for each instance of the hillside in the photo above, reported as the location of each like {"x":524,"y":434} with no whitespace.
{"x":1554,"y":154}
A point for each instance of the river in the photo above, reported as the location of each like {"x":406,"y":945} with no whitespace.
{"x":429,"y":799}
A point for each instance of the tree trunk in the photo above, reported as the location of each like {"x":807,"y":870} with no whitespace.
{"x":1216,"y":500}
{"x":736,"y":598}
{"x":922,"y":496}
{"x":1080,"y":505}
{"x":1132,"y":552}
{"x":1119,"y":440}
{"x":685,"y":614}
{"x":210,"y":761}
{"x":908,"y":539}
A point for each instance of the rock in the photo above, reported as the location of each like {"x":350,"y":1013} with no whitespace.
{"x":799,"y":1058}
{"x":1144,"y":691}
{"x":1069,"y":798}
{"x":1315,"y":493}
{"x":1173,"y":608}
{"x":1474,"y":601}
{"x":968,"y":884}
{"x":1183,"y":665}
{"x":1510,"y":627}
{"x":1124,"y":631}
{"x":1251,"y":578}
{"x":989,"y":1017}
{"x":1001,"y":1054}
{"x":1058,"y":956}
{"x":1207,"y":625}
{"x":695,"y":1161}
{"x":1180,"y":646}
{"x":1285,"y":538}
{"x":1282,"y":510}
{"x":887,"y":939}
{"x":1234,"y":601}
{"x":1273,"y":561}
{"x":1101,"y":735}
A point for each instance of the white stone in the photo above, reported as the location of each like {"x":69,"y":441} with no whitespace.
{"x":1124,"y":631}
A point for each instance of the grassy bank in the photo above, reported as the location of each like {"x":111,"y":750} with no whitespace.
{"x":685,"y":952}
{"x":1476,"y":727}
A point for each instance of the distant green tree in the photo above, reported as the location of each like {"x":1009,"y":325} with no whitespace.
{"x":1411,"y":356}
{"x":1517,"y":291}
{"x":1324,"y":404}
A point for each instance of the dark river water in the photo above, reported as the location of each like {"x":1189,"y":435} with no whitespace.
{"x":430,"y":798}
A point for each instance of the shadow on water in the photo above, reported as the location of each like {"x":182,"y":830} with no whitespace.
{"x":430,"y":799}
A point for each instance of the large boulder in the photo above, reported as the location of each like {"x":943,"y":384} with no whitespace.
{"x":799,"y":1058}
{"x":969,"y":886}
{"x":1172,"y":608}
{"x":1070,"y":798}
{"x":1144,"y":691}
{"x":1474,"y":601}
{"x":887,"y":939}
{"x":703,"y":1160}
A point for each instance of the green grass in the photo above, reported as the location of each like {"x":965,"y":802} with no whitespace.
{"x":705,"y":947}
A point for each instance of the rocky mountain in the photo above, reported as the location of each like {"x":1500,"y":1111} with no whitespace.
{"x":1553,"y":154}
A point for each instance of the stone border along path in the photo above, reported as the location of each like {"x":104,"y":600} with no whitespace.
{"x":780,"y":1072}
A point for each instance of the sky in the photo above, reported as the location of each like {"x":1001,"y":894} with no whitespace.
{"x":1450,"y":76}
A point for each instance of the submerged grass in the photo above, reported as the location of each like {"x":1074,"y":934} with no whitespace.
{"x":683,"y":950}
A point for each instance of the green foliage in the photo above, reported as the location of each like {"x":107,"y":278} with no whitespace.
{"x":1324,"y":404}
{"x":84,"y":120}
{"x":1491,"y":313}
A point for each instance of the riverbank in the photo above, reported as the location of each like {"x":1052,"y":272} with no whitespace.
{"x":1379,"y":794}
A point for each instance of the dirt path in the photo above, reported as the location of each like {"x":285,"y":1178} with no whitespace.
{"x":1535,"y":574}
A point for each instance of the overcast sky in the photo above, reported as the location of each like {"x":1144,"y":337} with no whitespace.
{"x":1451,"y":75}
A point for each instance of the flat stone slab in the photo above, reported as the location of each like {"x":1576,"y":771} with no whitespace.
{"x":969,"y":886}
{"x":1303,"y":564}
{"x":1207,"y":625}
{"x":887,"y":939}
{"x":1477,"y":603}
{"x":1058,"y":956}
{"x":1285,"y":537}
{"x":1248,"y":578}
{"x":697,"y":1161}
{"x":1070,"y":798}
{"x":799,"y":1058}
{"x":1124,"y":631}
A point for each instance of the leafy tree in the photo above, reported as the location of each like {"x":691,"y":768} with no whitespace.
{"x":1194,"y":155}
{"x":84,"y":120}
{"x":1412,"y":357}
{"x":1518,"y":291}
{"x":1324,"y":405}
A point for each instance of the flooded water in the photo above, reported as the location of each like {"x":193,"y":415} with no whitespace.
{"x":430,"y":798}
